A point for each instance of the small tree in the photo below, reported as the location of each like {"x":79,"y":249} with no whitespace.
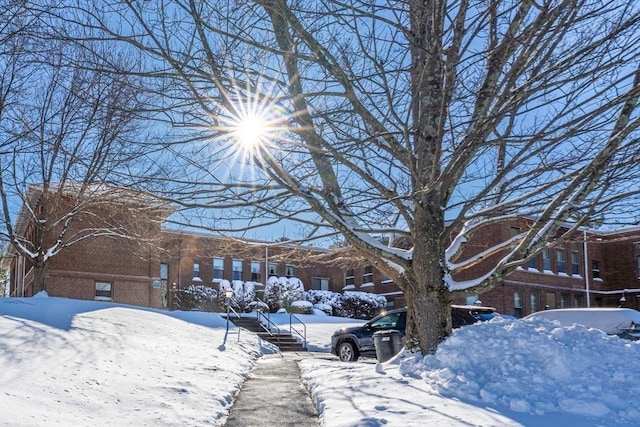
{"x":68,"y":133}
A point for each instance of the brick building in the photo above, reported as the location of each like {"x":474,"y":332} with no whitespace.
{"x":590,"y":269}
{"x":134,"y":260}
{"x":119,"y":270}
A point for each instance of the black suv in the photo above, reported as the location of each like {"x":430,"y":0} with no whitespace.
{"x":350,"y":343}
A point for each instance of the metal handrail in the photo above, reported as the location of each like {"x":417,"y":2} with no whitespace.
{"x":229,"y":308}
{"x":291,"y":328}
{"x":234,"y":312}
{"x":270,"y":325}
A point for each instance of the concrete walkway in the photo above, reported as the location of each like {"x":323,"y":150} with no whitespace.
{"x":273,"y":395}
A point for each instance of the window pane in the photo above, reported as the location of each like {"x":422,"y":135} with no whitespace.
{"x":218,"y":268}
{"x":575,"y":266}
{"x":289,"y":272}
{"x":103,"y":290}
{"x":349,"y":279}
{"x":577,"y":302}
{"x":367,"y":275}
{"x":517,"y":304}
{"x":273,"y":269}
{"x":514,"y":232}
{"x":560,"y":261}
{"x":546,"y":260}
{"x":256,"y":271}
{"x":595,"y":268}
{"x":320,"y":283}
{"x":534,"y":302}
{"x":196,"y":270}
{"x":237,"y":269}
{"x":164,"y":271}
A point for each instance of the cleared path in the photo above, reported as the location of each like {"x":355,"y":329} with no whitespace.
{"x":273,"y":395}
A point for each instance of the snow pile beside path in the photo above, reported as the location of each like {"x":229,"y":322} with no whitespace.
{"x":535,"y":367}
{"x":87,"y":363}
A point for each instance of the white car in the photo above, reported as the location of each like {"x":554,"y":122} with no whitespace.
{"x":624,"y":322}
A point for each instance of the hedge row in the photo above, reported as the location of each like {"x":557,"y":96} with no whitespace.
{"x":290,"y":296}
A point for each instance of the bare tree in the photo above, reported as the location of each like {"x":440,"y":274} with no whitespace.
{"x":69,"y":135}
{"x":419,"y":120}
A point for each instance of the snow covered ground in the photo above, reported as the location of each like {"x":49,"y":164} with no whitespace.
{"x":69,"y":362}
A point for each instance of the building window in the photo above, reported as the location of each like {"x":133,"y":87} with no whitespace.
{"x":218,"y":269}
{"x":546,"y":260}
{"x":349,"y":278}
{"x":103,"y":291}
{"x":289,"y":271}
{"x":367,"y":275}
{"x":514,"y":231}
{"x":196,"y":272}
{"x":255,"y":271}
{"x":236,"y":269}
{"x":532,"y":264}
{"x":533,"y":299}
{"x":517,"y":304}
{"x":560,"y":261}
{"x":164,"y":272}
{"x":320,"y":283}
{"x":595,"y":269}
{"x":638,"y":267}
{"x":577,"y":301}
{"x":564,"y":301}
{"x":550,"y":302}
{"x":575,"y":266}
{"x":273,"y":269}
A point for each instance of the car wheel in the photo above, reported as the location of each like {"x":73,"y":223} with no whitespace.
{"x":346,"y":352}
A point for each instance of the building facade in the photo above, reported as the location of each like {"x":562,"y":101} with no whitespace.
{"x":590,"y":268}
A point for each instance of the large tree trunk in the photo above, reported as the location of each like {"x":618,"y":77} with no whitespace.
{"x":39,"y":276}
{"x":428,"y":300}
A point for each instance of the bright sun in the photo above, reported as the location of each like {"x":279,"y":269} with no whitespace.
{"x":251,"y":131}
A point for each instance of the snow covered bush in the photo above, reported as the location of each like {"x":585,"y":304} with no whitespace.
{"x":244,"y":295}
{"x":327,"y":301}
{"x":355,"y":304}
{"x":198,"y":297}
{"x":302,"y":307}
{"x":282,"y":292}
{"x":361,"y":305}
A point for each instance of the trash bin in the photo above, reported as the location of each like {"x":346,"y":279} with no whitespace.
{"x":388,"y":343}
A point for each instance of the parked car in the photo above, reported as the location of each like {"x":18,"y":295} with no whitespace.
{"x":624,"y":322}
{"x":351,"y":343}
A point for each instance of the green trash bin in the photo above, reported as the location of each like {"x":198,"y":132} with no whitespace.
{"x":388,"y":343}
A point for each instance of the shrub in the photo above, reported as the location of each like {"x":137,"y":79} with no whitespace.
{"x":198,"y":297}
{"x":362,"y":305}
{"x":282,"y":292}
{"x":327,"y":301}
{"x":301,"y":307}
{"x":358,"y":305}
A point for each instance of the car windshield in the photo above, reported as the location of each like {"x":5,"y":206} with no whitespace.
{"x":388,"y":321}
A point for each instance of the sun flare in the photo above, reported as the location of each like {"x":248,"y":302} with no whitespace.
{"x":251,"y":131}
